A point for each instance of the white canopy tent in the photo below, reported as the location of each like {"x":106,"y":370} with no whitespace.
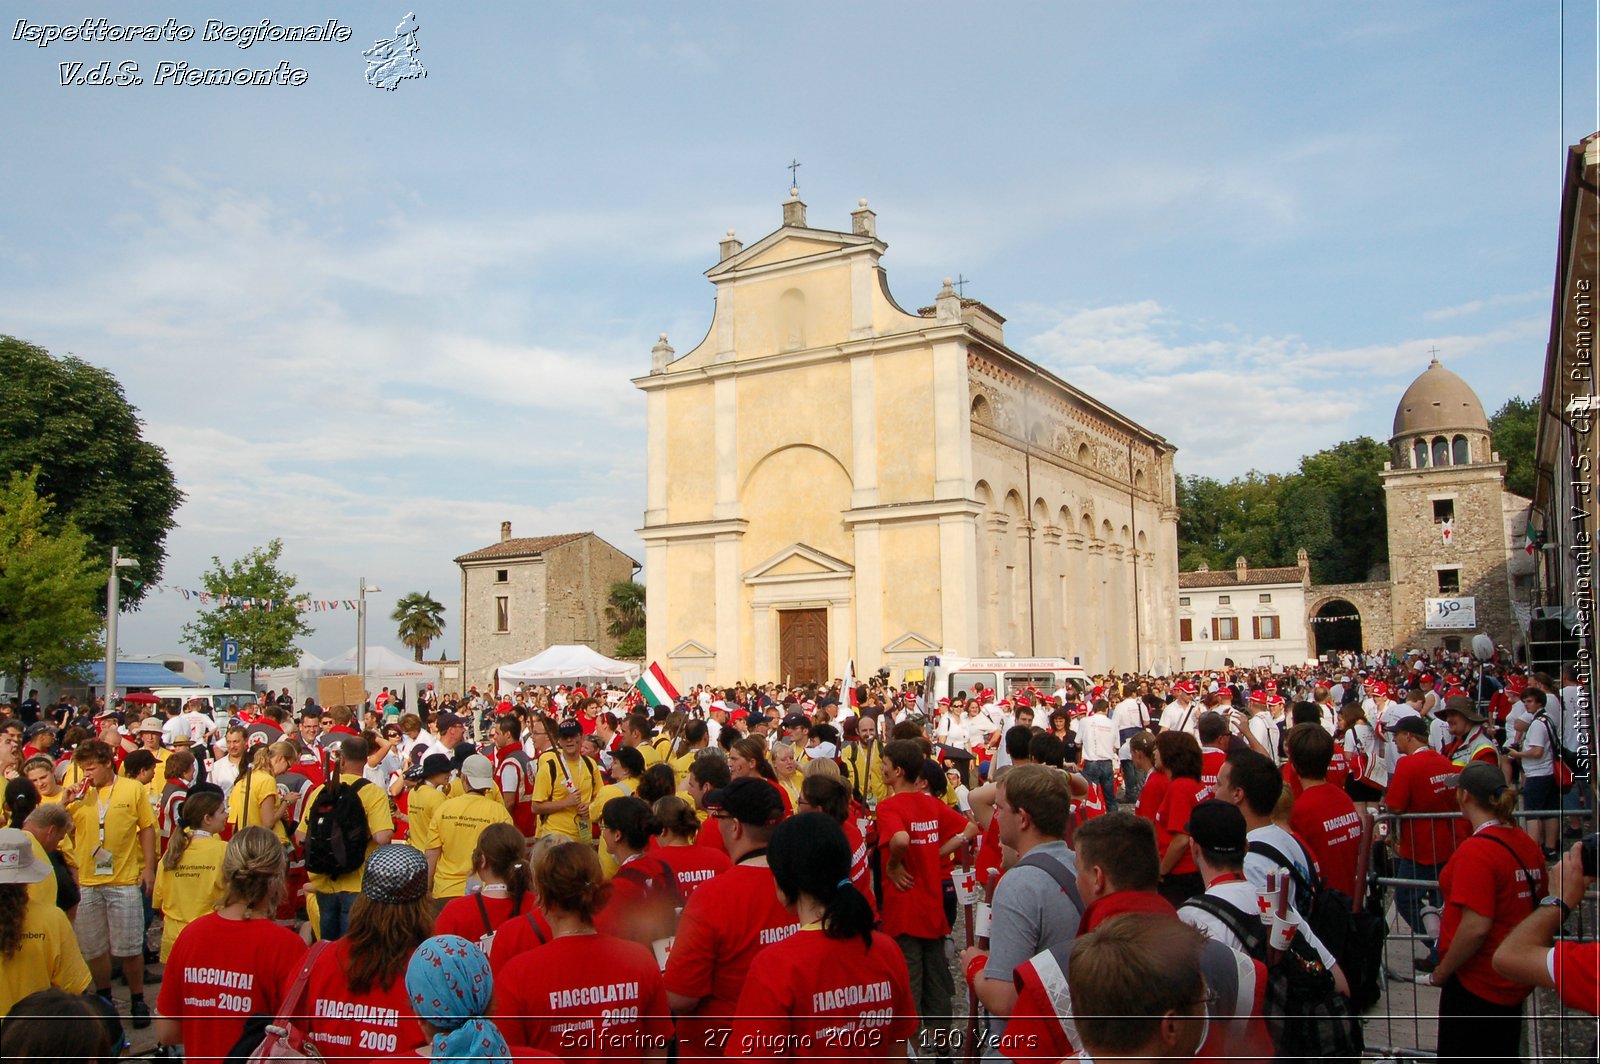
{"x":568,"y":664}
{"x":385,"y":668}
{"x":300,"y":678}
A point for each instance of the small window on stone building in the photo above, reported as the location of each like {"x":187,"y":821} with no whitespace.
{"x":1444,"y":510}
{"x":502,"y":614}
{"x":1224,"y":600}
{"x":1458,"y":451}
{"x":501,"y":576}
{"x":1265,"y":597}
{"x":1185,"y":630}
{"x":1419,"y":454}
{"x":1452,"y":643}
{"x":1441,"y":451}
{"x":1449,"y":581}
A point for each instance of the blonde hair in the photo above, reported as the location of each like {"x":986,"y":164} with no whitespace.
{"x":822,"y":766}
{"x":252,"y":871}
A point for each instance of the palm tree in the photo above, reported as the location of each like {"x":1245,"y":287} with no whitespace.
{"x":421,"y":620}
{"x":626,"y":609}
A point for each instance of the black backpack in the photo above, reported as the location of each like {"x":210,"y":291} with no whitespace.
{"x":1307,"y":1018}
{"x":336,"y":829}
{"x":1355,"y":936}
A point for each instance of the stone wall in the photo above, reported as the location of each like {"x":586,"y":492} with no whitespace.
{"x":1373,"y":601}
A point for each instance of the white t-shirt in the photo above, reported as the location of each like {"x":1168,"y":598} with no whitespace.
{"x":1177,"y":717}
{"x":1098,"y":737}
{"x":1129,"y":713}
{"x":1266,"y":732}
{"x":1538,"y":734}
{"x":1393,"y":714}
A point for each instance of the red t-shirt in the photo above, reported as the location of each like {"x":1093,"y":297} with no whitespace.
{"x":1327,"y":820}
{"x":583,"y":996}
{"x":1152,"y":795}
{"x":710,"y":836}
{"x":1423,"y":782}
{"x":989,"y":853}
{"x":349,"y":1027}
{"x":695,"y":865}
{"x":1577,"y":972}
{"x":463,"y":916}
{"x":512,"y":938}
{"x":219,"y":972}
{"x":722,"y":928}
{"x":929,"y":823}
{"x":1211,"y":761}
{"x":1483,"y":877}
{"x":860,"y":863}
{"x":812,"y":996}
{"x":1183,"y":793}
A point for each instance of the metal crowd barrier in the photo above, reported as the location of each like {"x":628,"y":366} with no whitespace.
{"x":1403,"y":1026}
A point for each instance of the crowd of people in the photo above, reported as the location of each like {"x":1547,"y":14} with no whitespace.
{"x":778,"y":873}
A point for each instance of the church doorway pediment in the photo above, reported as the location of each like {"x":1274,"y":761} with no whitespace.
{"x":912,"y":643}
{"x":799,"y":563}
{"x":692,"y":648}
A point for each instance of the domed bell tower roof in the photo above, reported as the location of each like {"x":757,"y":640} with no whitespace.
{"x":1438,"y":401}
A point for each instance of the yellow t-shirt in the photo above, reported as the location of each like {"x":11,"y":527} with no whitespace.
{"x":191,"y":890}
{"x":261,"y":786}
{"x":125,"y":809}
{"x":680,"y":765}
{"x":608,"y":863}
{"x":456,"y":827}
{"x":863,"y":768}
{"x":48,"y":957}
{"x":376,"y":803}
{"x":458,"y":787}
{"x":44,"y":891}
{"x":550,"y":785}
{"x":651,"y":755}
{"x":421,"y":805}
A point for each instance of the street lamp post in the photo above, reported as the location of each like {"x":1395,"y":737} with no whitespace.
{"x":361,"y":633}
{"x":113,"y":605}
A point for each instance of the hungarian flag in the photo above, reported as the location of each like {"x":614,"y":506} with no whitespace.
{"x":654,"y":687}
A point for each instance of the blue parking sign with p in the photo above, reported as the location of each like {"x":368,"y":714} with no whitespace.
{"x":230,"y":654}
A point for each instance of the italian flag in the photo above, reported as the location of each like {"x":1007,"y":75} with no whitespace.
{"x":655,"y":688}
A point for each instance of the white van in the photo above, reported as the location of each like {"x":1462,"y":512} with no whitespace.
{"x":1009,"y":676}
{"x":221,"y":702}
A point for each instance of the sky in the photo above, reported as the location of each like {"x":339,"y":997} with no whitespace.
{"x":376,"y":323}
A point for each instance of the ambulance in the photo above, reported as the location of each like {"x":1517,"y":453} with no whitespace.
{"x":1010,"y":676}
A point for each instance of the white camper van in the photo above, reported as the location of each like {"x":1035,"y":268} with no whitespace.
{"x":951,"y":676}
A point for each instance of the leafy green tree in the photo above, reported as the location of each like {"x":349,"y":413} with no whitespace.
{"x":253,"y":604}
{"x":1349,"y":475}
{"x":625,"y":609}
{"x":50,"y":578}
{"x":1514,"y":432}
{"x":631,"y":645}
{"x":421,"y":620}
{"x":72,"y":421}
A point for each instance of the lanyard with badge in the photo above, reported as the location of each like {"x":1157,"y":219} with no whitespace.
{"x":103,"y":860}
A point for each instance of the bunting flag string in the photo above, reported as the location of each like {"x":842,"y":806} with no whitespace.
{"x":302,"y":603}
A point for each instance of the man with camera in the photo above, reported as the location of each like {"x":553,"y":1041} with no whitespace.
{"x":1531,"y":956}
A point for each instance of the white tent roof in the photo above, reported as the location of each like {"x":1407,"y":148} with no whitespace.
{"x":568,"y":664}
{"x":381,"y":661}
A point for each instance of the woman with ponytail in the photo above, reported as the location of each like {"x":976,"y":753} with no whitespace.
{"x":235,"y":961}
{"x":501,"y":864}
{"x":837,"y":988}
{"x":645,"y":895}
{"x":253,"y":802}
{"x":189,"y":881}
{"x":1491,"y":883}
{"x":547,"y":996}
{"x":692,"y":863}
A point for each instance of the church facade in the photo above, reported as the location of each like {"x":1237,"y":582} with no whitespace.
{"x":832,"y":477}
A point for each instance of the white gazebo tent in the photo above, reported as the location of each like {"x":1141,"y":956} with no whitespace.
{"x":385,"y":668}
{"x":300,"y":678}
{"x":568,"y":664}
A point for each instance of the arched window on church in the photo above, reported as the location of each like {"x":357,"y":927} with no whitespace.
{"x":1419,"y":454}
{"x":1458,"y":451}
{"x":1441,"y":451}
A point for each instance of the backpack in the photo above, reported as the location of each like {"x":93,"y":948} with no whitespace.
{"x":1307,"y":1018}
{"x":1058,"y":871}
{"x":486,"y":940}
{"x":336,"y":829}
{"x":1354,"y":935}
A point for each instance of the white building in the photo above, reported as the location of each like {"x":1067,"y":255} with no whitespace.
{"x":1246,"y":616}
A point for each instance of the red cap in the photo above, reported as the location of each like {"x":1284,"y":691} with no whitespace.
{"x":1378,"y":687}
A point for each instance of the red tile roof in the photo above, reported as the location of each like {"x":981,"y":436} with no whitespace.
{"x":1230,"y":578}
{"x":520,"y":547}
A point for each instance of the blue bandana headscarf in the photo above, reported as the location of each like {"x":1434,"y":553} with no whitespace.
{"x":449,"y":984}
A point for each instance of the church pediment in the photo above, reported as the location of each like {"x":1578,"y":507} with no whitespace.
{"x":692,"y":648}
{"x":789,"y":244}
{"x":912,"y":643}
{"x":798,"y":562}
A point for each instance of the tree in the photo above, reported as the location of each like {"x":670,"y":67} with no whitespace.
{"x":49,"y":583}
{"x":625,"y":613}
{"x":72,"y":421}
{"x":253,"y":602}
{"x":1514,"y":433}
{"x":421,"y":620}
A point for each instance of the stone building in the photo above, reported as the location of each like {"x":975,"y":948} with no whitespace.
{"x":832,"y":477}
{"x":521,"y":595}
{"x":1456,"y":566}
{"x":1244,"y":615}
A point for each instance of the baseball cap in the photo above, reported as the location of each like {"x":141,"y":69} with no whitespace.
{"x":106,"y":714}
{"x":478,"y":772}
{"x":748,"y":800}
{"x":568,"y":729}
{"x":1482,"y":780}
{"x":435,"y":765}
{"x":795,"y":720}
{"x":1411,"y":726}
{"x":17,"y":864}
{"x":395,"y":874}
{"x":150,"y":724}
{"x":1217,"y":826}
{"x":39,"y":728}
{"x":448,"y":720}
